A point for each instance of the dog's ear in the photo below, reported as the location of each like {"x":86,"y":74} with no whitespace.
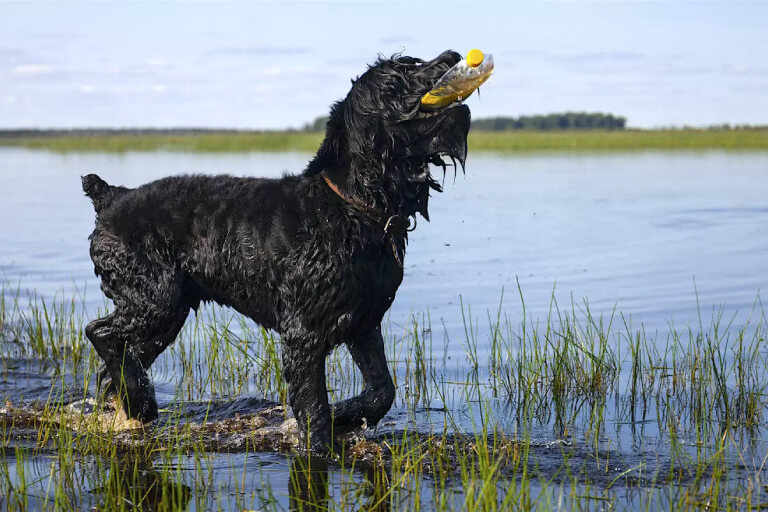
{"x":350,"y":133}
{"x":333,"y":150}
{"x":362,"y":110}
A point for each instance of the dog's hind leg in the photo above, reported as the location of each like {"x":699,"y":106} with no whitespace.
{"x":148,"y":350}
{"x":147,"y":290}
{"x":112,"y":338}
{"x":155,"y":345}
{"x":128,"y":343}
{"x":379,"y":393}
{"x":304,"y":371}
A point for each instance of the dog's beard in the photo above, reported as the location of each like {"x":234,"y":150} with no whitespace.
{"x":419,"y":182}
{"x":415,"y":197}
{"x":437,"y":140}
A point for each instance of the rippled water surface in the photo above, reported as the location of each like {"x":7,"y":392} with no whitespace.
{"x":654,"y":239}
{"x":640,"y":231}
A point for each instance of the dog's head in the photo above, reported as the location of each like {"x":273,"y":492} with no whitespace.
{"x":380,"y":143}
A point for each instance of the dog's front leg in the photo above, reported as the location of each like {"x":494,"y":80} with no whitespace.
{"x":379,"y":393}
{"x":304,"y":370}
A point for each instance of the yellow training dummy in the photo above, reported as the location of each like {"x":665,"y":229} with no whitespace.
{"x":460,"y":81}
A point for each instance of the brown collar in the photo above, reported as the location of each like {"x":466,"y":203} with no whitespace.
{"x":393,"y":225}
{"x":358,"y":205}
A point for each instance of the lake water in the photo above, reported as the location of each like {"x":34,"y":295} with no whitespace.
{"x":641,"y":232}
{"x":661,"y":238}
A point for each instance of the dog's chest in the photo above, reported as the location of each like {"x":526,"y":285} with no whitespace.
{"x":345,"y":293}
{"x":364,"y":313}
{"x":368,"y":287}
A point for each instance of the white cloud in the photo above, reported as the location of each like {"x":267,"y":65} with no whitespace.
{"x":32,"y":69}
{"x":739,"y":69}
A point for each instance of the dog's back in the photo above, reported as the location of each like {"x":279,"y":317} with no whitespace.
{"x":222,"y":238}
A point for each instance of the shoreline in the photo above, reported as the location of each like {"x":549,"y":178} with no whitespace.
{"x":215,"y":141}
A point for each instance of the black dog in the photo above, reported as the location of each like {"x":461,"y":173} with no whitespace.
{"x":316,"y":257}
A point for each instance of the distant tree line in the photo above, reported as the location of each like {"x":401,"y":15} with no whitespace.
{"x":565,"y":121}
{"x":318,"y":125}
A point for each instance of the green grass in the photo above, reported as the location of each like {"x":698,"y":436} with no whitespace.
{"x":619,"y":140}
{"x":572,"y":374}
{"x":203,"y":143}
{"x":513,"y":141}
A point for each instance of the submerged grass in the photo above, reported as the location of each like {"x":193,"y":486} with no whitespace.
{"x":533,"y":415}
{"x":511,"y":141}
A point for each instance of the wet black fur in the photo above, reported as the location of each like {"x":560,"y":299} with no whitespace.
{"x":289,"y":253}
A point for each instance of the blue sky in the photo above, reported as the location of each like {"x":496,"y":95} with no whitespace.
{"x":262,"y":65}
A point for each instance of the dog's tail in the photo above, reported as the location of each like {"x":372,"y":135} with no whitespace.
{"x":100,"y":192}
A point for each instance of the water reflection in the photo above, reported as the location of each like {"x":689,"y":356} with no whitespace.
{"x":135,"y":482}
{"x":308,"y":487}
